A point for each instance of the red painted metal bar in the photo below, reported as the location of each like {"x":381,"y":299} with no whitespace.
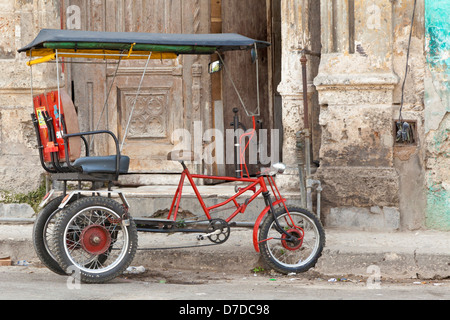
{"x":177,"y":198}
{"x":275,"y":185}
{"x":197,"y":193}
{"x":237,"y":195}
{"x":199,"y":176}
{"x":243,"y":206}
{"x":271,"y":187}
{"x":284,"y":202}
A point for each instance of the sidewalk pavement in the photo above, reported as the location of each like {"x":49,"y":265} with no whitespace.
{"x":423,"y":254}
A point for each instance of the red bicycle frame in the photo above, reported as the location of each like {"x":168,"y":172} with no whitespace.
{"x":260,"y":181}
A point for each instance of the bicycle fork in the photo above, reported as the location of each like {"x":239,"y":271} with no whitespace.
{"x":278,"y":227}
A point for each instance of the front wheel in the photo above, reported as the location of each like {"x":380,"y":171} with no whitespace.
{"x":295,"y":243}
{"x":93,"y":241}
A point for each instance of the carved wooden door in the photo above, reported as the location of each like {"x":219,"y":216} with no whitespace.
{"x":171,"y":96}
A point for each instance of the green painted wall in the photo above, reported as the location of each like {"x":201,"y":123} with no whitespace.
{"x":437,"y":113}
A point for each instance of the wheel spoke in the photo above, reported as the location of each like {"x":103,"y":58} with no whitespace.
{"x":92,"y":242}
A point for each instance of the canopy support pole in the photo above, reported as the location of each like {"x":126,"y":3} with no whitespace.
{"x":59,"y":89}
{"x":249,"y":114}
{"x":257,"y":81}
{"x":31,"y":79}
{"x":107,"y":100}
{"x":135,"y":100}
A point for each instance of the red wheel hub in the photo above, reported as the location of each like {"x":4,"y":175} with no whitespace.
{"x":293,"y":245}
{"x":95,"y":239}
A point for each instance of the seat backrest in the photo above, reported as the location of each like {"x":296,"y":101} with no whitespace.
{"x":40,"y":108}
{"x":67,"y":117}
{"x":72,"y":125}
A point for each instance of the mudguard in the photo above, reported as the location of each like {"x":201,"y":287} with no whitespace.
{"x":258,"y":223}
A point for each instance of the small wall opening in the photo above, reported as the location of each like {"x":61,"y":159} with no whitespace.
{"x":405,"y":133}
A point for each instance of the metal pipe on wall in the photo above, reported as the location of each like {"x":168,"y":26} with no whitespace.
{"x":304,"y":145}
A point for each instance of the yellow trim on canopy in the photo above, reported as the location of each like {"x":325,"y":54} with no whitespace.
{"x":50,"y":54}
{"x":42,"y":59}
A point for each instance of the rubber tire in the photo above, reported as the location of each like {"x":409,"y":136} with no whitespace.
{"x":64,"y":260}
{"x":39,"y":227}
{"x":265,"y":252}
{"x":39,"y":242}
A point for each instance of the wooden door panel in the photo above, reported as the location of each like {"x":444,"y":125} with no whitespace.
{"x":159,"y":16}
{"x":158,"y":111}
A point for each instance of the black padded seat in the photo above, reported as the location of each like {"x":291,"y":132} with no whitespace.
{"x":91,"y":165}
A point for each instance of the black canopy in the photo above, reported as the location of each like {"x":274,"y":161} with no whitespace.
{"x":63,"y":39}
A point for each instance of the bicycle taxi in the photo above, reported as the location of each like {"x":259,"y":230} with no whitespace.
{"x":92,"y":230}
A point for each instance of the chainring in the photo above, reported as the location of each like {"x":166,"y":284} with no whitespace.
{"x":222,"y":228}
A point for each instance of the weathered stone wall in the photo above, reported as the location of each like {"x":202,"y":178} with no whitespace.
{"x":300,"y":19}
{"x":20,"y":21}
{"x":356,"y":85}
{"x":409,"y":160}
{"x":370,"y":181}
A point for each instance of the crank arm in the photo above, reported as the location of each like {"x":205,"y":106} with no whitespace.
{"x":203,"y":236}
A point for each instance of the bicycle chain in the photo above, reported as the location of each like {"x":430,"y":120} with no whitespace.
{"x":212,"y":224}
{"x":181,"y":247}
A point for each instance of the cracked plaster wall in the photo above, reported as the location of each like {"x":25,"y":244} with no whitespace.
{"x":437,"y":113}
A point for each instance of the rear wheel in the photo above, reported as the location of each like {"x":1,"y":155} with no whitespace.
{"x":93,"y":241}
{"x":295,"y":243}
{"x":43,"y":235}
